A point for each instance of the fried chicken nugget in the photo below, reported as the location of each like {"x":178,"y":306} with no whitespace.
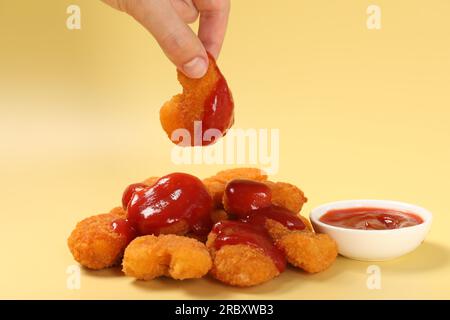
{"x":150,"y":181}
{"x":180,"y":258}
{"x":240,"y":265}
{"x":120,"y":211}
{"x":284,"y":194}
{"x":307,"y":250}
{"x":216,"y":184}
{"x":94,"y":244}
{"x":179,"y":228}
{"x":240,"y":173}
{"x":218,"y":215}
{"x":307,"y":223}
{"x":287,"y":195}
{"x":207,"y":99}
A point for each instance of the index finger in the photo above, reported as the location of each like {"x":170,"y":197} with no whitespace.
{"x":213,"y":23}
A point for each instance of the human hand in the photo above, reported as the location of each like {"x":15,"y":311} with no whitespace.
{"x":167,"y":21}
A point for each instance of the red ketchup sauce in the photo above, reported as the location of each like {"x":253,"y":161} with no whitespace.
{"x":243,"y":196}
{"x":279,"y":214}
{"x":173,"y":198}
{"x":218,"y":108}
{"x":250,"y":230}
{"x":370,"y":218}
{"x":238,"y":232}
{"x":129,"y":192}
{"x":124,"y":228}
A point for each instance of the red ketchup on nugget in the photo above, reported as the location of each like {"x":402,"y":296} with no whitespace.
{"x":174,"y":198}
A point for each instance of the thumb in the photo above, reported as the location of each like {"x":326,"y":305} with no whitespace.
{"x":177,"y":40}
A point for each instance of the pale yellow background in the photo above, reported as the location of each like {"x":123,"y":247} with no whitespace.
{"x":362,"y":114}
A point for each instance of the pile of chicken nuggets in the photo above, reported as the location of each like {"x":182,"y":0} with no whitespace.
{"x":175,"y":251}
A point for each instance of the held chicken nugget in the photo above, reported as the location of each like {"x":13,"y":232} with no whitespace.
{"x":178,"y":257}
{"x":243,"y":255}
{"x":205,"y":104}
{"x":150,"y":181}
{"x":216,"y":184}
{"x":99,"y":241}
{"x":307,"y":250}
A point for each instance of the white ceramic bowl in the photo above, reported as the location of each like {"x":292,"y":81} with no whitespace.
{"x":374,"y":245}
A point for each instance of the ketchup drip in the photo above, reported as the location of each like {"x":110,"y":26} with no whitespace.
{"x":123,"y":227}
{"x":287,"y":218}
{"x":238,"y":232}
{"x":173,"y":198}
{"x":218,"y":108}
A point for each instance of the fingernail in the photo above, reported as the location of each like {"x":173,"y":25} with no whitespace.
{"x":196,"y":68}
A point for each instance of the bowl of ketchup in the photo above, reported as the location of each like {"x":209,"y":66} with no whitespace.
{"x":373,"y":230}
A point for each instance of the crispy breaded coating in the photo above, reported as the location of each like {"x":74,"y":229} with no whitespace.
{"x":94,"y":244}
{"x":185,"y":108}
{"x":179,"y":228}
{"x":149,"y":257}
{"x":240,"y":173}
{"x":307,"y":250}
{"x":150,"y":181}
{"x":240,"y":265}
{"x":287,"y":196}
{"x":118,"y":211}
{"x":218,"y":215}
{"x":307,"y":223}
{"x":216,"y":184}
{"x":277,"y":230}
{"x":216,"y":190}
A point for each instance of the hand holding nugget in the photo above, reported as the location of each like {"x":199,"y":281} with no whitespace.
{"x":167,"y":21}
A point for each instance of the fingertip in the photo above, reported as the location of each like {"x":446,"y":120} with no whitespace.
{"x":196,"y":67}
{"x":213,"y":49}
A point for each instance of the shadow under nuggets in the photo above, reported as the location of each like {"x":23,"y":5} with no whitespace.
{"x":210,"y":288}
{"x":112,"y":272}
